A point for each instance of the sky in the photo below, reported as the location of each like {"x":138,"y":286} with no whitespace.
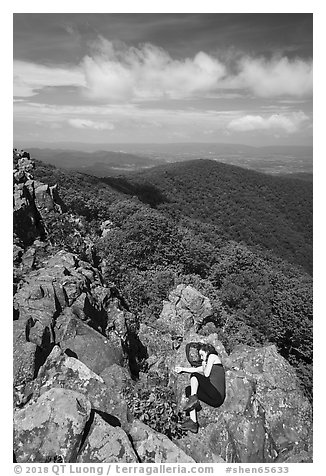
{"x":156,"y":78}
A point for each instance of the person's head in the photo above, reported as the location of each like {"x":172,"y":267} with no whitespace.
{"x":205,"y":350}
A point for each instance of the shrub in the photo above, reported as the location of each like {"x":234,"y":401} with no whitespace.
{"x":156,"y":407}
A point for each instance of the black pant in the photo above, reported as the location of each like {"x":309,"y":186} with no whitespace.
{"x":206,"y":391}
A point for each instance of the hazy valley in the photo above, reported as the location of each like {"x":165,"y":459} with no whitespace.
{"x":113,"y":159}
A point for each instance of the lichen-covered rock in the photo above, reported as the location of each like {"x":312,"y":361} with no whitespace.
{"x":294,"y":457}
{"x":116,"y":377}
{"x":287,"y":412}
{"x":186,"y":308}
{"x":24,"y":356}
{"x":196,"y":447}
{"x":106,"y":444}
{"x":51,"y":427}
{"x":67,"y":372}
{"x":158,"y":345}
{"x":47,"y":291}
{"x":47,"y":198}
{"x":86,"y":344}
{"x":153,"y":447}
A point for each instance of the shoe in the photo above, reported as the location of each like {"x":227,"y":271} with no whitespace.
{"x":192,"y":404}
{"x":190,"y":425}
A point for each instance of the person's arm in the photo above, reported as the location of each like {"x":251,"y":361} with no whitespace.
{"x":190,"y":370}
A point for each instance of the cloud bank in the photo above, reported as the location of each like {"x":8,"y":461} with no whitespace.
{"x":290,"y":123}
{"x":88,"y":124}
{"x":148,"y":72}
{"x":276,"y":77}
{"x":114,"y":72}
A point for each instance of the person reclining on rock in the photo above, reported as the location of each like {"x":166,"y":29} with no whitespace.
{"x":207,"y":383}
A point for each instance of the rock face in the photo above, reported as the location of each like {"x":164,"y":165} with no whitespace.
{"x":67,"y":372}
{"x":185,"y":309}
{"x":106,"y":444}
{"x":86,"y":344}
{"x":51,"y":427}
{"x":24,"y":357}
{"x":153,"y":447}
{"x":57,"y":302}
{"x":32,"y":201}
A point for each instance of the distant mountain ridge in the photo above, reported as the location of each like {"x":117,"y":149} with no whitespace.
{"x":109,"y":159}
{"x":97,"y":163}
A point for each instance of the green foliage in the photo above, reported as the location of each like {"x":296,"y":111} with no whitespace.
{"x":146,"y":290}
{"x":260,"y":210}
{"x":274,"y":302}
{"x":156,"y":407}
{"x":82,"y":194}
{"x":70,"y":233}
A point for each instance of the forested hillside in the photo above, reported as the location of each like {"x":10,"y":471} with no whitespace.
{"x":229,"y":232}
{"x":274,"y":213}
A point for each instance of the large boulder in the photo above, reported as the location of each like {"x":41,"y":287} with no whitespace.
{"x":196,"y":447}
{"x":116,"y":377}
{"x":158,"y":345}
{"x":67,"y":372}
{"x":24,"y":356}
{"x":51,"y":427}
{"x":153,"y":447}
{"x":106,"y":444}
{"x":186,"y":308}
{"x":86,"y":344}
{"x":288,"y":414}
{"x":47,"y":198}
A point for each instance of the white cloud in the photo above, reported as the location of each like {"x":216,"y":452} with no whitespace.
{"x":276,"y":77}
{"x":115,"y":72}
{"x":148,"y":72}
{"x":290,"y":123}
{"x":88,"y":124}
{"x":30,"y":77}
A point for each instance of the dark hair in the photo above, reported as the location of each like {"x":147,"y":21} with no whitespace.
{"x":209,"y":348}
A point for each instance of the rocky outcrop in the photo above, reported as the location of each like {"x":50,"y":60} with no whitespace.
{"x":78,"y":339}
{"x":51,"y":427}
{"x":185,"y":309}
{"x":106,"y":444}
{"x":265,"y":416}
{"x":33,"y":201}
{"x":61,"y":370}
{"x":57,"y":302}
{"x":153,"y":447}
